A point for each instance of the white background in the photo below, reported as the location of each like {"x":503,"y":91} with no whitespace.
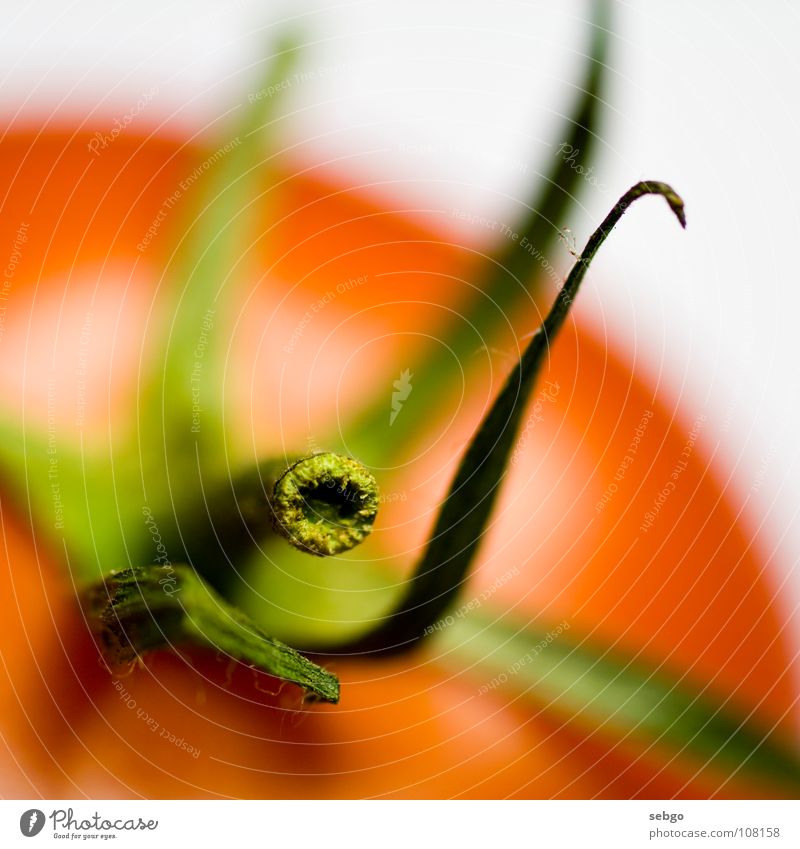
{"x":704,"y":96}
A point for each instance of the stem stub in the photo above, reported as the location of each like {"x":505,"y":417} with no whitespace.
{"x":325,"y":504}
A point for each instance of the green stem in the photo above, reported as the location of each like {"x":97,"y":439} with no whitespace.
{"x":506,"y":283}
{"x":153,"y":607}
{"x":465,"y":512}
{"x":205,"y":278}
{"x":324,"y":504}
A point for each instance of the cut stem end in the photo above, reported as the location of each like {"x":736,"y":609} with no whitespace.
{"x":325,"y":504}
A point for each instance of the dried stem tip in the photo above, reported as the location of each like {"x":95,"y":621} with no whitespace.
{"x":144,"y":608}
{"x":325,"y":504}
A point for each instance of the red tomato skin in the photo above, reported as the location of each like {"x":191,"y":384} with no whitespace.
{"x":409,"y":728}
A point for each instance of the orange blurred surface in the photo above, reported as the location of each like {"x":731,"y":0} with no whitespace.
{"x":691,"y":592}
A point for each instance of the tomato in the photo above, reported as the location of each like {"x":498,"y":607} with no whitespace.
{"x":689,"y":592}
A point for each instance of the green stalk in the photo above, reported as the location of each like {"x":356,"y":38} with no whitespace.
{"x":139,"y":610}
{"x":183,"y":405}
{"x":324,"y":504}
{"x":510,"y":279}
{"x":463,"y":516}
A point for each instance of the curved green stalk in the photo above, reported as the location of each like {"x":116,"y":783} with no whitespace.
{"x":465,"y":512}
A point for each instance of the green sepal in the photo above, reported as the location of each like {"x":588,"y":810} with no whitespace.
{"x":138,"y":610}
{"x":610,"y":693}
